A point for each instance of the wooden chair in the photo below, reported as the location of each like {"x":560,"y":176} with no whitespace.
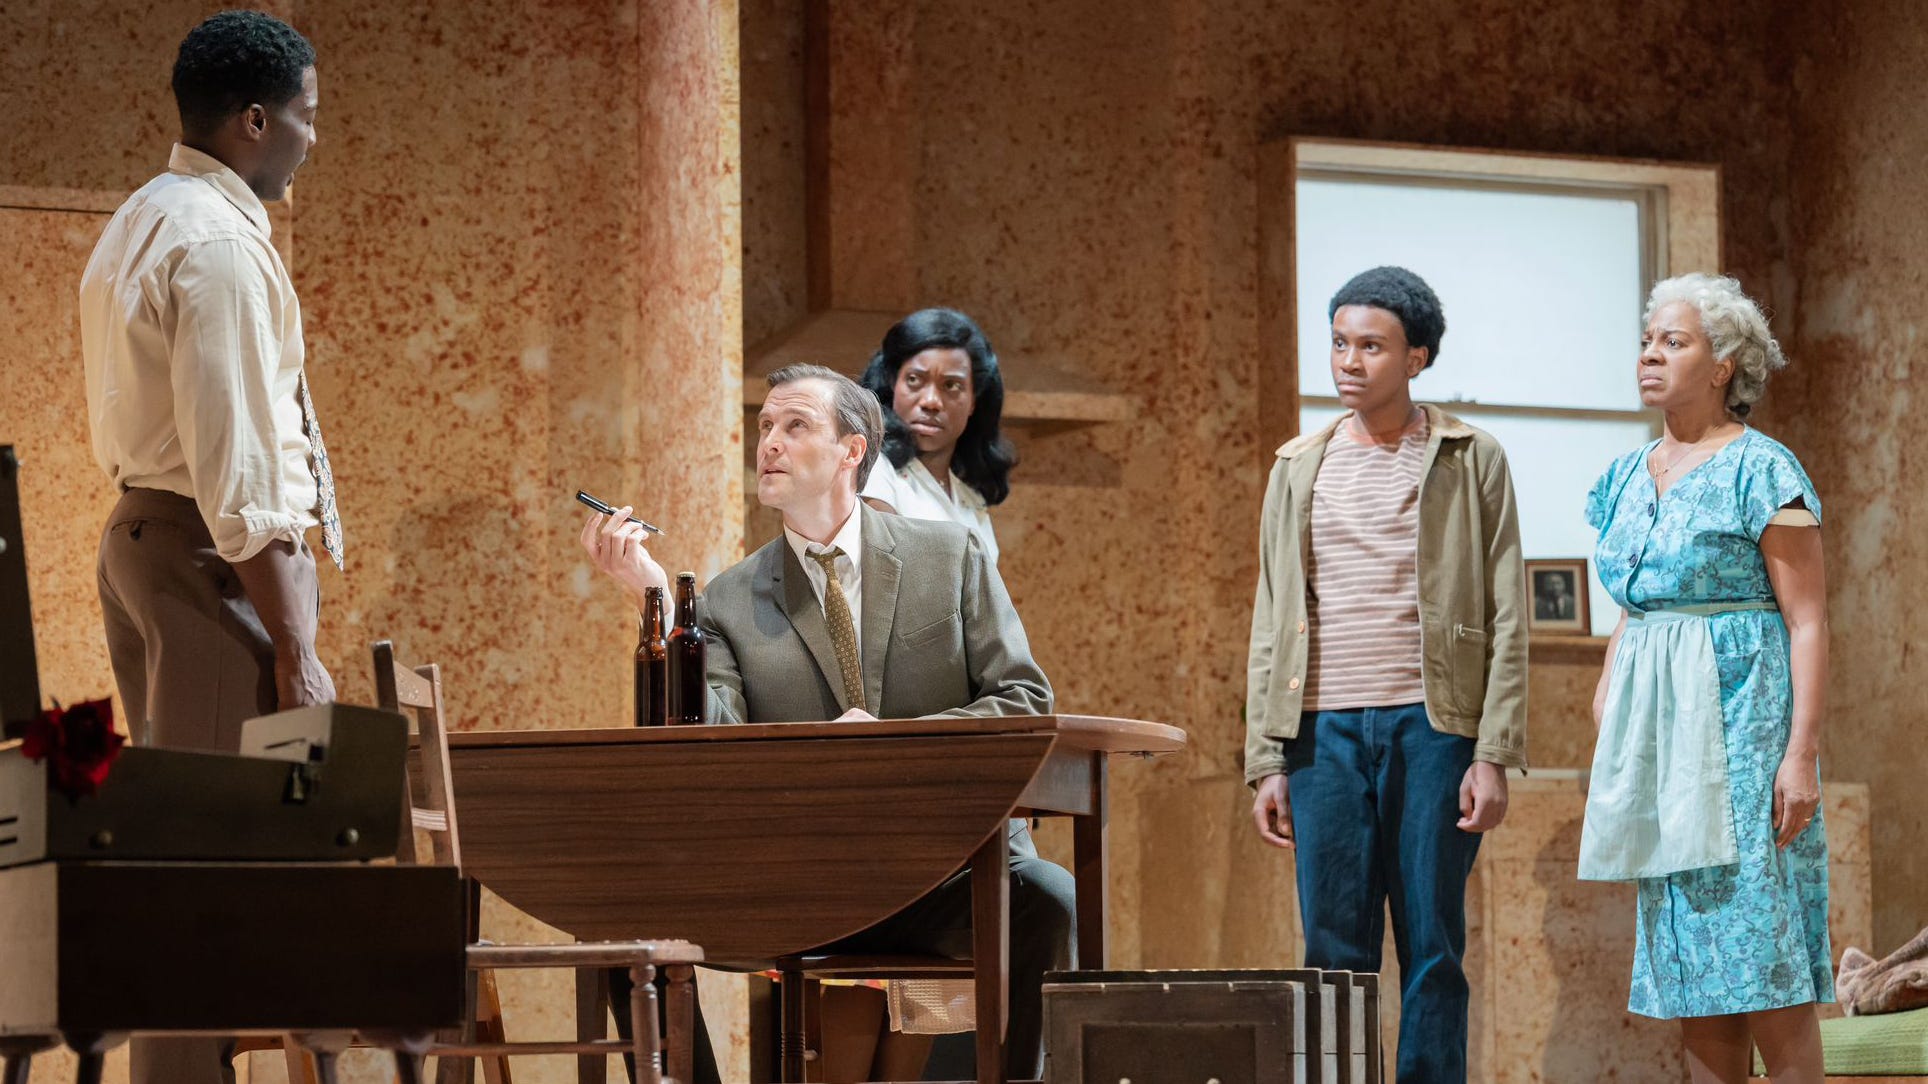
{"x":800,"y":993}
{"x":800,"y":975}
{"x":418,"y":692}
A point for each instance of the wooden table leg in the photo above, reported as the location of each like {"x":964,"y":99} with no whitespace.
{"x":17,"y":1051}
{"x":408,"y":1048}
{"x":791,"y":1002}
{"x":1088,"y":851}
{"x":411,"y":1056}
{"x":462,"y":1070}
{"x":681,"y":1041}
{"x":642,"y":1025}
{"x":326,"y":1048}
{"x":301,"y":1069}
{"x":91,"y":1047}
{"x":592,"y":1005}
{"x":991,"y":950}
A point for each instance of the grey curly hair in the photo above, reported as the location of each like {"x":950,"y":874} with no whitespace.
{"x":1736,"y":328}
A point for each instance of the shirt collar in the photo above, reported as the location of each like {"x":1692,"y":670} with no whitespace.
{"x":849,"y":538}
{"x":1438,"y":422}
{"x":189,"y":162}
{"x":961,"y":492}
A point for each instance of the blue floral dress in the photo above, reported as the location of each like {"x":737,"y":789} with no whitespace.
{"x":1750,"y":936}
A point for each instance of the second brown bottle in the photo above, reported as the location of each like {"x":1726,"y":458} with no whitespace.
{"x":689,"y":688}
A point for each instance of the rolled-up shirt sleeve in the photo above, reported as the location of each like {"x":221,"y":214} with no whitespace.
{"x":225,"y":360}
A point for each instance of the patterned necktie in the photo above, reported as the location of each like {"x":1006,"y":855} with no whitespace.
{"x":843,"y":630}
{"x":324,"y":477}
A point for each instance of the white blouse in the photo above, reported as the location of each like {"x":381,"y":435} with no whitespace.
{"x":914,"y":492}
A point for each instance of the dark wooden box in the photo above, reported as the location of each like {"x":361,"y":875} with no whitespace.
{"x":1301,"y":1026}
{"x":324,"y":784}
{"x":134,"y":946}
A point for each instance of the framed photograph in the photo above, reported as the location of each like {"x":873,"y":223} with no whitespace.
{"x":1556,"y":591}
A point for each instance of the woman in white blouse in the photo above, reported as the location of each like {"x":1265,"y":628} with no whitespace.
{"x":937,"y":378}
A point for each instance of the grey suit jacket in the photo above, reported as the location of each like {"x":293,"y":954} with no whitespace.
{"x":939,"y":638}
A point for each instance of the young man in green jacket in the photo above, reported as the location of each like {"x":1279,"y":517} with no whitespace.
{"x":1386,"y":686}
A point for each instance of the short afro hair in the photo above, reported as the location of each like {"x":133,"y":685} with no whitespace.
{"x":1403,"y":294}
{"x":234,"y":60}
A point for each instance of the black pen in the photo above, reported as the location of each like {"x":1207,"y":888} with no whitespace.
{"x":608,"y":511}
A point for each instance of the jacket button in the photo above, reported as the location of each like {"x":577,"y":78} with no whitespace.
{"x":1301,"y":626}
{"x":1293,"y":684}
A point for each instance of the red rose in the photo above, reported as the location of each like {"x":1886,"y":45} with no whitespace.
{"x":78,"y":743}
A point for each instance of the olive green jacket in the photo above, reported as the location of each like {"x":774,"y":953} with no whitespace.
{"x":1472,"y":597}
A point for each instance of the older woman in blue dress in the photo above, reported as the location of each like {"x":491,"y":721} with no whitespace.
{"x":1705,"y":788}
{"x":943,"y":396}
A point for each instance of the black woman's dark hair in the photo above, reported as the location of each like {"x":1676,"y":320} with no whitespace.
{"x":233,"y":60}
{"x":1403,"y":294}
{"x":984,"y":458}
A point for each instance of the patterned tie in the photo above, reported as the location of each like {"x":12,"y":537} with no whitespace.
{"x":843,"y":631}
{"x":324,"y":477}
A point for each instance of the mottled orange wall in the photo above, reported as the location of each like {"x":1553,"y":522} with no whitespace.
{"x":1080,"y":175}
{"x":84,"y":87}
{"x":43,"y":413}
{"x":774,"y":135}
{"x":518,"y":251}
{"x":1862,"y":259}
{"x":517,"y":245}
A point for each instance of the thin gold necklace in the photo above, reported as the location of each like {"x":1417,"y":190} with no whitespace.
{"x":1676,"y":460}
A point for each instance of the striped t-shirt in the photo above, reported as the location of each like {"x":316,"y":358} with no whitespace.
{"x":1362,"y":585}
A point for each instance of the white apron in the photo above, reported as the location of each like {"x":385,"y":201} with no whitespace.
{"x":1657,"y":798}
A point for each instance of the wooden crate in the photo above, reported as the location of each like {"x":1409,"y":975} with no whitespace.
{"x":1299,"y":1026}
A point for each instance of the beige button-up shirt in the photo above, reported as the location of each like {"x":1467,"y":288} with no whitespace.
{"x":850,"y":567}
{"x":192,"y":340}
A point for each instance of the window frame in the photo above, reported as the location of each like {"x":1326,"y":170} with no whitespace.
{"x":1679,"y":211}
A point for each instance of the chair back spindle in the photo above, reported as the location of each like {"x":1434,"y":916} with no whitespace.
{"x":417,"y":693}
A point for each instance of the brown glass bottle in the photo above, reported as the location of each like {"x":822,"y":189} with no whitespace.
{"x":689,"y":689}
{"x":652,"y":665}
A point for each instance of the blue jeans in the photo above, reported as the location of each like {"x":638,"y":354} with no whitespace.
{"x":1375,"y":811}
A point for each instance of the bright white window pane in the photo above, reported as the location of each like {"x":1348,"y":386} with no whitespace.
{"x":1542,"y":291}
{"x":1554,"y":463}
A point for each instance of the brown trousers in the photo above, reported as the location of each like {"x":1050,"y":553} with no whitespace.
{"x":192,"y":662}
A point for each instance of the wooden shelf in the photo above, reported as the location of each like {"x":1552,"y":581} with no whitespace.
{"x":1039,"y":391}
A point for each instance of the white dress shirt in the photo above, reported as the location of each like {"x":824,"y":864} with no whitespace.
{"x":913,"y":491}
{"x":191,"y":336}
{"x":850,"y":567}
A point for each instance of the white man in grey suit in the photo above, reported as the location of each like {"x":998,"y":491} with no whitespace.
{"x":859,"y":614}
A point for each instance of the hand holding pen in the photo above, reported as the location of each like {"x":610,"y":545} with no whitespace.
{"x":616,"y":544}
{"x":608,"y":511}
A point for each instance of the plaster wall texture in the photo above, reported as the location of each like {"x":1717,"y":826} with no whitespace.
{"x":1854,"y":334}
{"x":518,"y":248}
